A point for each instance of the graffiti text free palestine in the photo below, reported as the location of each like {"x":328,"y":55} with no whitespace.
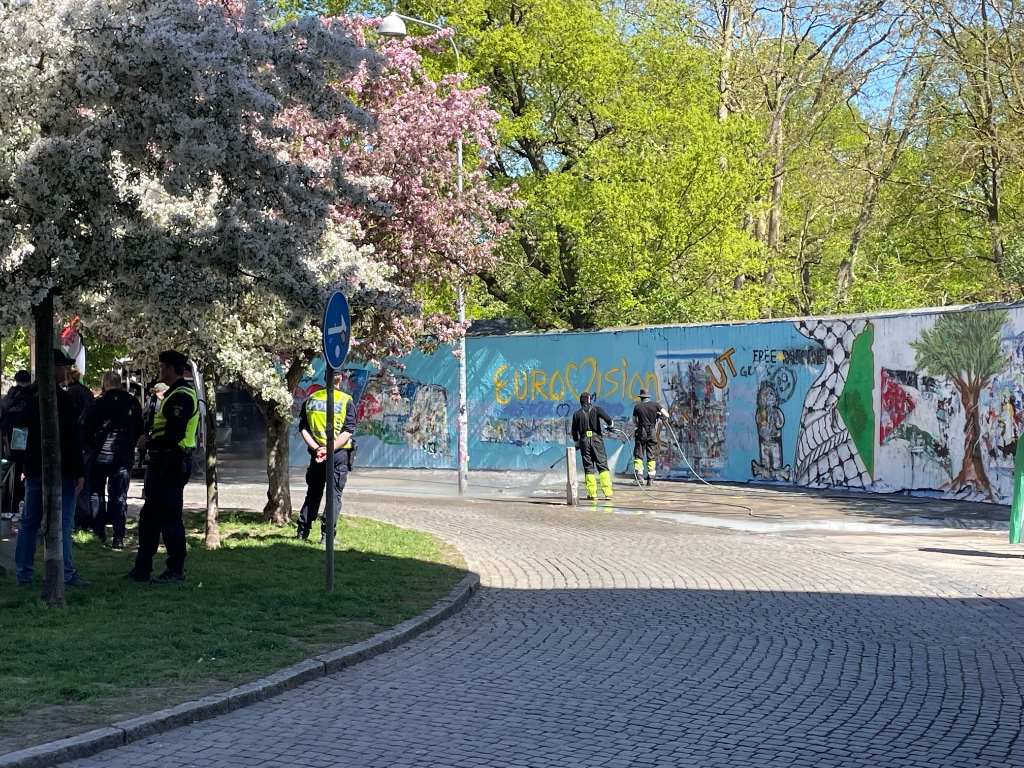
{"x":539,"y":385}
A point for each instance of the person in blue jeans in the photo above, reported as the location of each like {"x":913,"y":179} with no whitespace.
{"x":72,"y":480}
{"x":113,"y":428}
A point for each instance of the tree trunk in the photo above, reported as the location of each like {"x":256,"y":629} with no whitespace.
{"x":972,"y":475}
{"x":994,"y":213}
{"x":53,"y":539}
{"x":775,"y":211}
{"x":278,"y":508}
{"x":279,"y":497}
{"x":212,"y":540}
{"x":725,"y":63}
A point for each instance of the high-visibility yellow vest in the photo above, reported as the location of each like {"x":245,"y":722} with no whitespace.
{"x":160,"y":421}
{"x":316,"y":414}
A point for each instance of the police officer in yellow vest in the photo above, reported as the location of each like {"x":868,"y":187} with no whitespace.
{"x":170,"y":447}
{"x":313,"y":428}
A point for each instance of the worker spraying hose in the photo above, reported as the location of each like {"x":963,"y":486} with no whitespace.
{"x":587,"y":432}
{"x":674,"y":438}
{"x":646,"y":414}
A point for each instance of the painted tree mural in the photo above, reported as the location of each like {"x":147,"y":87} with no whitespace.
{"x":964,"y":348}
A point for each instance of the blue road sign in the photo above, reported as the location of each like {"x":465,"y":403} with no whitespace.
{"x":337,"y":330}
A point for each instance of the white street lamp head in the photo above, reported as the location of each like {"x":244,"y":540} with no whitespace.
{"x":391,"y":26}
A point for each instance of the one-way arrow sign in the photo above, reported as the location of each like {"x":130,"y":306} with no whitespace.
{"x":337,"y":326}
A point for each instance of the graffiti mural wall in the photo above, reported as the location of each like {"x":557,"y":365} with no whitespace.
{"x":929,"y":402}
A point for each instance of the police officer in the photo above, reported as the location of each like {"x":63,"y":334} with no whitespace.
{"x":313,"y":428}
{"x":170,"y":447}
{"x":646,"y":414}
{"x":586,"y":432}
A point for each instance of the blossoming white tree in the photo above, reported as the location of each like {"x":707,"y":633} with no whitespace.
{"x":395,"y":260}
{"x":143,"y":157}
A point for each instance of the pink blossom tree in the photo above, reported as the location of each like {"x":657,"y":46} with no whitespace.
{"x":412,"y":248}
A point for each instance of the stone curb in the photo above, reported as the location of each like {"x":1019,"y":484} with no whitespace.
{"x":128,"y":731}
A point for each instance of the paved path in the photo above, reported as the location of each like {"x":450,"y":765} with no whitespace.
{"x":615,"y":640}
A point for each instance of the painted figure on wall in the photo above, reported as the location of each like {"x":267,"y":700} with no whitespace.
{"x":965,"y":349}
{"x":770,"y":420}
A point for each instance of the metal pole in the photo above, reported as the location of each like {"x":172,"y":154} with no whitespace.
{"x":329,"y":506}
{"x":463,"y":414}
{"x":572,"y":493}
{"x":463,"y":395}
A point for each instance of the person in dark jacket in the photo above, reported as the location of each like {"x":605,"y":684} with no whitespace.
{"x":587,"y":434}
{"x":83,"y":398}
{"x":114,"y":426}
{"x":22,"y":380}
{"x":646,"y":415}
{"x":72,"y":479}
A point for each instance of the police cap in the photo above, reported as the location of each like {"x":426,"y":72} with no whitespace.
{"x":173,"y":358}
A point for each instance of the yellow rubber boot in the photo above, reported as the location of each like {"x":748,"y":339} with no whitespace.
{"x":591,"y":481}
{"x":638,"y":470}
{"x":606,"y":483}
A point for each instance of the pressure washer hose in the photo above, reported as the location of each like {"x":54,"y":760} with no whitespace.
{"x":682,"y":454}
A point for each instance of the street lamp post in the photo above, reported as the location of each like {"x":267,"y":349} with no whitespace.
{"x":393,"y":25}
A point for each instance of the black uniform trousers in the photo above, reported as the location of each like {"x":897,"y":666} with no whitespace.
{"x":593,"y":454}
{"x":160,"y":517}
{"x":316,"y":483}
{"x":645,"y":442}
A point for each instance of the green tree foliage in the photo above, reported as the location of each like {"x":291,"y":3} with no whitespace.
{"x":632,"y":191}
{"x":14,"y":353}
{"x":707,"y":160}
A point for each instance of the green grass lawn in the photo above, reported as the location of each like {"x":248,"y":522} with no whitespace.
{"x":255,"y":605}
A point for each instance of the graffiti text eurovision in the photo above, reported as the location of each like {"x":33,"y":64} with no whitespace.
{"x":585,"y":376}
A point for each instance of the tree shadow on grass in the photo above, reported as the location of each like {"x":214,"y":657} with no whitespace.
{"x":255,"y":605}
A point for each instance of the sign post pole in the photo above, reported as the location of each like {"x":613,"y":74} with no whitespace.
{"x":336,"y":332}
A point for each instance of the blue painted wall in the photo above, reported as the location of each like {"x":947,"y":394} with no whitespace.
{"x":834,"y":402}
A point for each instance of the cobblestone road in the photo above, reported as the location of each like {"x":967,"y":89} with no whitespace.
{"x":609,"y":640}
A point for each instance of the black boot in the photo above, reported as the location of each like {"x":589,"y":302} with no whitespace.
{"x":323,"y":536}
{"x":302,"y":533}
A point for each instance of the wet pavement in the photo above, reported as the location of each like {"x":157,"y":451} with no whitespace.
{"x":740,"y":507}
{"x":661,"y":630}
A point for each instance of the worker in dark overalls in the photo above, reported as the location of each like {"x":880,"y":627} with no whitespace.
{"x":587,"y":434}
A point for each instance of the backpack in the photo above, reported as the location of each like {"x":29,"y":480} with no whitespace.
{"x":14,"y":427}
